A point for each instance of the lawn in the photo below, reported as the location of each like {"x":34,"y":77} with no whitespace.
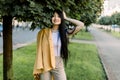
{"x":83,"y":35}
{"x":83,"y":64}
{"x":116,"y":34}
{"x":113,"y":33}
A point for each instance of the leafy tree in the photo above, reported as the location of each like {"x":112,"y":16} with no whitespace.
{"x":115,"y":18}
{"x":106,"y":20}
{"x":89,"y":11}
{"x":39,"y":12}
{"x":109,"y":20}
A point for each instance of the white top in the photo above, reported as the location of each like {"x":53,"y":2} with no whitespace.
{"x":56,"y":43}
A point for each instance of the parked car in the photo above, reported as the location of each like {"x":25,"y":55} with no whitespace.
{"x":1,"y":29}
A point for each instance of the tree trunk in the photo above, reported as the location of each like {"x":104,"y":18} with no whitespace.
{"x":7,"y":48}
{"x":86,"y":29}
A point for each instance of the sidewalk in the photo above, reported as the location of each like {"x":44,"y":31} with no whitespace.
{"x":109,"y":51}
{"x":19,"y":46}
{"x":21,"y":38}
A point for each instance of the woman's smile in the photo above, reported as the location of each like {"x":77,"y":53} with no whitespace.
{"x":56,"y":20}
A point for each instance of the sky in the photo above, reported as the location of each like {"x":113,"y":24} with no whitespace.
{"x":111,"y":6}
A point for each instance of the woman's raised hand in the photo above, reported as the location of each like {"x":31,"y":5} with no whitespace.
{"x":64,"y":15}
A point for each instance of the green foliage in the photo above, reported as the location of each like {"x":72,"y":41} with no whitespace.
{"x":40,"y":11}
{"x":106,"y":20}
{"x":91,"y":11}
{"x":116,"y":18}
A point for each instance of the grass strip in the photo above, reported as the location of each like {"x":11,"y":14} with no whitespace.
{"x":83,"y":64}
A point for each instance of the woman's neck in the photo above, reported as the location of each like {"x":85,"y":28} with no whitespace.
{"x":55,"y":27}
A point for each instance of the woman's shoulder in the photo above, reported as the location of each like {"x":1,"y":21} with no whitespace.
{"x":44,"y":30}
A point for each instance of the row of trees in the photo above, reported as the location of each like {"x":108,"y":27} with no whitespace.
{"x":39,"y":12}
{"x":109,"y":20}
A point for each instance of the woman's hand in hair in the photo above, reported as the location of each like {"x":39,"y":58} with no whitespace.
{"x":64,"y":15}
{"x":78,"y":24}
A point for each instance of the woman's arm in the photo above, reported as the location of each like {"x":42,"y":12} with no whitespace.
{"x":78,"y":24}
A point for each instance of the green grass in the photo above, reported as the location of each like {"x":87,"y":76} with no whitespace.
{"x":1,"y":67}
{"x":23,"y":61}
{"x":83,"y":35}
{"x":116,"y":34}
{"x":84,"y":63}
{"x":113,"y":33}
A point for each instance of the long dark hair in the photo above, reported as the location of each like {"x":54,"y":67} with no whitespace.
{"x":63,"y":36}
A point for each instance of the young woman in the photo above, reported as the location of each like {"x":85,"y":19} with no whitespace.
{"x":52,"y":48}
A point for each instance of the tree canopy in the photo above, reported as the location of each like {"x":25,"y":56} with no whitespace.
{"x":40,"y":11}
{"x":109,"y":20}
{"x":106,"y":20}
{"x":115,"y":18}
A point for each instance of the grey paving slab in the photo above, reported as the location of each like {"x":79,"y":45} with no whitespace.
{"x":109,"y":51}
{"x":21,"y":38}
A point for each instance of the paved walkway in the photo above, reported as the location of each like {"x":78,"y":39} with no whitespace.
{"x":21,"y":38}
{"x":109,"y":51}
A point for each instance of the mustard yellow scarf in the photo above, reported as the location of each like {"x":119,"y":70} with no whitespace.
{"x":45,"y":58}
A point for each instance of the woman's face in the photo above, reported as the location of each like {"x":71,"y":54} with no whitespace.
{"x":56,"y":20}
